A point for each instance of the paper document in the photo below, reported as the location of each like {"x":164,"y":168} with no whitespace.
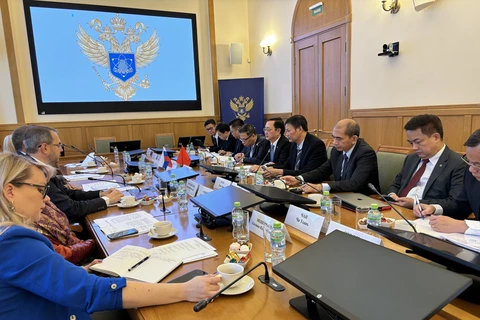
{"x":140,"y":220}
{"x":188,"y":250}
{"x":83,"y":176}
{"x":100,"y":185}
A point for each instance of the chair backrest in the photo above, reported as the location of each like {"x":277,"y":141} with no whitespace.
{"x":102,"y":144}
{"x":329,"y":151}
{"x":164,"y":139}
{"x":390,"y":162}
{"x":327,"y":142}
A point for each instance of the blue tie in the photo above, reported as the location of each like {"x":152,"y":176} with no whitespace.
{"x":344,"y":168}
{"x":297,"y":161}
{"x":272,"y":153}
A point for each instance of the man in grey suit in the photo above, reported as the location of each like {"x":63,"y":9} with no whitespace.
{"x":434,"y":172}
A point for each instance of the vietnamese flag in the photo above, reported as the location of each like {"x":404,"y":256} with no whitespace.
{"x":183,"y":158}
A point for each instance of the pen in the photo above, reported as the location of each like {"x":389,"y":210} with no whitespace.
{"x":139,"y":263}
{"x":417,"y":202}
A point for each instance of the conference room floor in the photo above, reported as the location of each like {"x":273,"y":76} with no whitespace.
{"x":261,"y":301}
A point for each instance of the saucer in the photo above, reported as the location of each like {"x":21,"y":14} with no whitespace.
{"x":135,"y":182}
{"x":103,"y":171}
{"x":167,"y":199}
{"x":245,"y":285}
{"x":168,"y":235}
{"x":130,"y":206}
{"x":316,"y":205}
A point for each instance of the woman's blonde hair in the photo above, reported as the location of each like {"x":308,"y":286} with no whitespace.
{"x":8,"y":144}
{"x":13,"y":169}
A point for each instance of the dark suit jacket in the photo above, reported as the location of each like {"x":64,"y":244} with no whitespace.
{"x":282,"y":151}
{"x":362,"y":169}
{"x":215,"y":146}
{"x":229,"y":144}
{"x":76,"y":204}
{"x":260,"y":150}
{"x":444,"y":184}
{"x":314,"y":154}
{"x":468,"y":200}
{"x":238,"y":147}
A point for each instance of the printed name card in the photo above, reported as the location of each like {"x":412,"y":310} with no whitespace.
{"x":259,"y":221}
{"x":203,"y":190}
{"x":192,"y":188}
{"x":305,"y":221}
{"x":149,"y":153}
{"x":362,"y":235}
{"x":221,"y":183}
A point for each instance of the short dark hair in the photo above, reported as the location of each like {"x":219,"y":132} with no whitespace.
{"x":297,"y":121}
{"x":35,"y":136}
{"x":18,"y":136}
{"x":278,"y":124}
{"x":473,"y":140}
{"x":222,"y":127}
{"x":248,"y":129}
{"x":427,"y":123}
{"x":209,"y":121}
{"x":236,"y":123}
{"x":352,"y":129}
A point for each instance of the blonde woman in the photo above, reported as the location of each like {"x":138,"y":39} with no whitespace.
{"x":33,"y":275}
{"x":8,"y":144}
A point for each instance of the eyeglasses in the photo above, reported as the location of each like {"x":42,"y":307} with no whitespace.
{"x":43,"y":189}
{"x":243,"y":140}
{"x":267,"y":129}
{"x":475,"y":166}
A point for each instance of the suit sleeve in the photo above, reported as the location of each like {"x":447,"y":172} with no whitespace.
{"x":229,"y":145}
{"x":365,"y":165}
{"x":461,"y":208}
{"x":284,"y":154}
{"x":319,"y":174}
{"x":316,"y":159}
{"x":259,"y":154}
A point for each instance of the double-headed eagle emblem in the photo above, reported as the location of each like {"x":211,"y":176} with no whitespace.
{"x":241,"y":106}
{"x":120,"y":59}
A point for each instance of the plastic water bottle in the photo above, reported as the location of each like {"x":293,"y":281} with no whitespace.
{"x":192,"y":149}
{"x":240,"y":226}
{"x":115,"y":155}
{"x":173,"y":187}
{"x":182,"y":197}
{"x":242,"y":175}
{"x":277,"y":240}
{"x":141,"y":167}
{"x":259,"y":177}
{"x":230,"y":163}
{"x":187,"y":148}
{"x":374,"y":217}
{"x":126,"y":157}
{"x":148,"y":176}
{"x":326,"y":204}
{"x":201,"y":157}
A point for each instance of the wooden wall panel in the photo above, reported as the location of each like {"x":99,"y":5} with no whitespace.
{"x":193,"y":128}
{"x":475,"y":123}
{"x":120,"y":132}
{"x":146,"y":132}
{"x":379,"y":131}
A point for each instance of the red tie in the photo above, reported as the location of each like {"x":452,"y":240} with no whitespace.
{"x":415,"y":179}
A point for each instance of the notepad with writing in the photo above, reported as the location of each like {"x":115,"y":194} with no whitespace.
{"x":137,"y":263}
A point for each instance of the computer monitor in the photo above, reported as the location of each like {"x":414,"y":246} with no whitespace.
{"x":230,"y":174}
{"x":180,"y":174}
{"x":125,"y":145}
{"x":183,"y":141}
{"x":278,"y":200}
{"x":346,"y":277}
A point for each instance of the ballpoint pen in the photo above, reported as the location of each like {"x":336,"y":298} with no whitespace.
{"x":138,"y":263}
{"x":417,"y":202}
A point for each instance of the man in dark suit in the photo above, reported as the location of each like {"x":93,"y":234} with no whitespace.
{"x":254,"y":146}
{"x":43,"y":145}
{"x":235,"y":125}
{"x":434,"y":172}
{"x":352,"y":162}
{"x":307,"y":152}
{"x":227,"y":141}
{"x":210,"y":125}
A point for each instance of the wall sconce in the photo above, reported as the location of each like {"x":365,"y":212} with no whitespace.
{"x":266,"y":45}
{"x":394,"y":6}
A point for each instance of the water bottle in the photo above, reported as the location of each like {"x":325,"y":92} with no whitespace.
{"x":259,"y":177}
{"x":182,"y":197}
{"x":187,"y":148}
{"x":277,"y":240}
{"x":374,"y":217}
{"x":141,"y":167}
{"x":115,"y":155}
{"x":230,"y":164}
{"x":192,"y":149}
{"x":240,"y":227}
{"x":148,"y":176}
{"x":201,"y":157}
{"x":242,"y":175}
{"x":173,"y":187}
{"x":126,"y":157}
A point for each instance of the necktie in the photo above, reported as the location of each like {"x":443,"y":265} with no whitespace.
{"x":415,"y":179}
{"x":344,"y":168}
{"x":251,"y":151}
{"x":272,"y":152}
{"x":297,"y":162}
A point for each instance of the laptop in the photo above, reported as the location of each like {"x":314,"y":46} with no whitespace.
{"x":184,"y":141}
{"x":353,"y":200}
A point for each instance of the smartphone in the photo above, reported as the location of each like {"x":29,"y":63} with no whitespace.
{"x":121,"y":234}
{"x":296,"y":190}
{"x":188,"y":276}
{"x":388,"y":198}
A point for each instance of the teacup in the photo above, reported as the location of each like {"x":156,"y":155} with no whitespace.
{"x":127,"y":201}
{"x":316,"y":197}
{"x":91,"y":164}
{"x":230,"y":272}
{"x":161,"y":228}
{"x":137,"y":177}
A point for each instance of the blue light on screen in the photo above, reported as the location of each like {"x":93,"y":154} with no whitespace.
{"x":67,"y":75}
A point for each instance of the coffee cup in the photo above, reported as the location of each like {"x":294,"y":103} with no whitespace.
{"x":137,"y":177}
{"x":127,"y":200}
{"x":91,"y":164}
{"x":161,"y":228}
{"x":230,"y":272}
{"x":316,"y":197}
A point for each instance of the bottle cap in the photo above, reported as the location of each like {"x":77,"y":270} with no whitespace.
{"x":182,"y":182}
{"x":236,"y":204}
{"x":277,"y":225}
{"x":172,"y":176}
{"x":326,"y":193}
{"x":374,"y":206}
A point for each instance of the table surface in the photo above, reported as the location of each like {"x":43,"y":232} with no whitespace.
{"x":260,"y":301}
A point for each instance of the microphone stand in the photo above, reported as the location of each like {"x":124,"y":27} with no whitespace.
{"x":372,"y":187}
{"x":265,"y":279}
{"x":308,"y":184}
{"x":105,"y":162}
{"x":162,"y":193}
{"x":260,"y":165}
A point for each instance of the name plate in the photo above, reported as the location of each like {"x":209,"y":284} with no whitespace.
{"x":203,"y":190}
{"x":259,"y":221}
{"x":221,"y":183}
{"x":305,"y":221}
{"x":362,"y":235}
{"x":149,"y":153}
{"x":192,"y":188}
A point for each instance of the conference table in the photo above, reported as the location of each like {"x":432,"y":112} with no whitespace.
{"x":260,"y":302}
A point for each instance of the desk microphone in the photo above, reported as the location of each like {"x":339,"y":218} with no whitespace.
{"x":105,"y":162}
{"x":266,"y":154}
{"x":266,"y":279}
{"x":200,"y":143}
{"x":372,"y":187}
{"x":125,"y":184}
{"x":214,"y":156}
{"x":308,"y":184}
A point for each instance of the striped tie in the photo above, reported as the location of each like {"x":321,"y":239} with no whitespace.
{"x":297,"y":162}
{"x":344,"y":168}
{"x":272,"y":153}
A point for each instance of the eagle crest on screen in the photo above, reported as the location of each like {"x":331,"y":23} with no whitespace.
{"x":241,"y":106}
{"x":120,"y":60}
